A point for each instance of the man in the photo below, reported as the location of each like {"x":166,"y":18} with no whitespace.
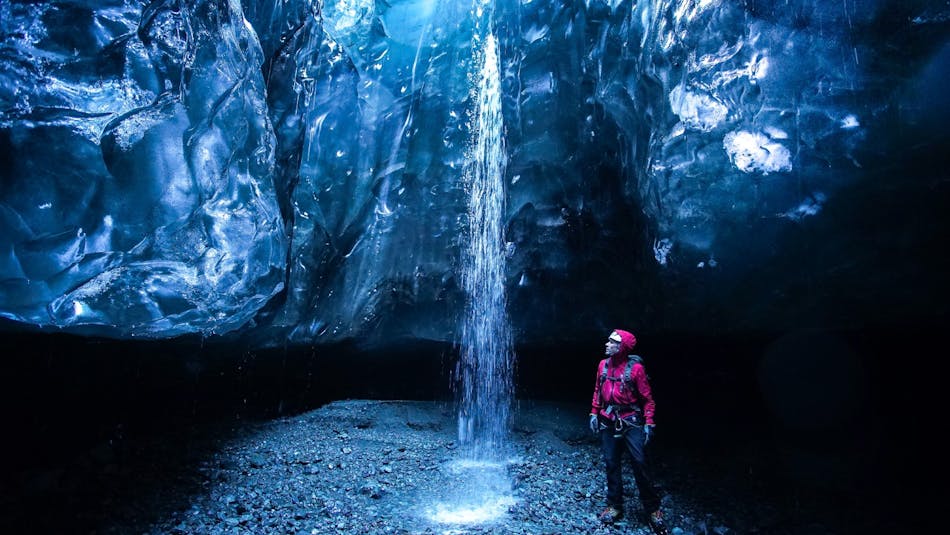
{"x":622,"y":413}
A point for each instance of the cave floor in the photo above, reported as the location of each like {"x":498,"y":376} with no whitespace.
{"x":360,"y":466}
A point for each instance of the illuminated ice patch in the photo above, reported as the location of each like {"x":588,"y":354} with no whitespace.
{"x":661,"y":250}
{"x":687,"y":11}
{"x":697,"y":111}
{"x":809,"y":207}
{"x":775,"y":133}
{"x":754,"y":152}
{"x":850,"y":122}
{"x":345,"y":14}
{"x":758,"y":68}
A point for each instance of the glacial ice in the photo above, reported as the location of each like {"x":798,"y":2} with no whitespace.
{"x":295,"y":168}
{"x":138,"y":199}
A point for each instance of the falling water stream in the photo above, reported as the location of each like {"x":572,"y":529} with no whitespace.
{"x":484,"y":372}
{"x":483,"y":376}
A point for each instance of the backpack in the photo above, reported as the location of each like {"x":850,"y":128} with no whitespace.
{"x":628,"y":369}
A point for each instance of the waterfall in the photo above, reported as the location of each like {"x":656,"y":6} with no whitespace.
{"x":485,"y":363}
{"x":478,"y":489}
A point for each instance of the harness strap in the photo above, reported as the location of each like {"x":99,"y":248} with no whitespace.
{"x":603,"y":377}
{"x":625,"y":377}
{"x":627,"y":371}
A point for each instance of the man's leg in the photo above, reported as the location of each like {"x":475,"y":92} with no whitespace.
{"x":649,"y":497}
{"x":613,"y":450}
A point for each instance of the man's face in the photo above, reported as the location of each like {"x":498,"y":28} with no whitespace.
{"x":613,"y":345}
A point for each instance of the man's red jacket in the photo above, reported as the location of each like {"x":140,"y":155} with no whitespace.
{"x":614,"y":391}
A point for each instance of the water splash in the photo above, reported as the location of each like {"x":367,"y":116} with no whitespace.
{"x":479,"y":493}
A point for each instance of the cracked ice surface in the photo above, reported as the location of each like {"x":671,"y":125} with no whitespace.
{"x":295,"y":168}
{"x":141,"y":200}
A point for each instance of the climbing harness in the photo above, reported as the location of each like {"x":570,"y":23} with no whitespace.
{"x":613,"y":412}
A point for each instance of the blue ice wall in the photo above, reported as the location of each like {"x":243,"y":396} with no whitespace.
{"x":295,"y":169}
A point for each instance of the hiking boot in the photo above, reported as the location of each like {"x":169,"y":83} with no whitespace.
{"x":611,"y":514}
{"x":657,"y":524}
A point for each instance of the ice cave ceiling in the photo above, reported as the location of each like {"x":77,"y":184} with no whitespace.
{"x":295,"y":169}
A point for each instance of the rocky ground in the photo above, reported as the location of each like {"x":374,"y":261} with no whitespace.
{"x":375,"y":467}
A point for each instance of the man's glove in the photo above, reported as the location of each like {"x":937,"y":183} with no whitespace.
{"x":594,"y":424}
{"x":647,"y":433}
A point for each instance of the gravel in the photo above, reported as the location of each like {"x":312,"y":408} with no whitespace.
{"x":380,"y":467}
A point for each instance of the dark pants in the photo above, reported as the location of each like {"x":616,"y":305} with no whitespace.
{"x":631,"y":440}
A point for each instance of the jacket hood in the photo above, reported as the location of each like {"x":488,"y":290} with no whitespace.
{"x":627,"y":341}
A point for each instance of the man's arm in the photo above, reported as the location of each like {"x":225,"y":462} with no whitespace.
{"x":643,"y":388}
{"x":596,"y":403}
